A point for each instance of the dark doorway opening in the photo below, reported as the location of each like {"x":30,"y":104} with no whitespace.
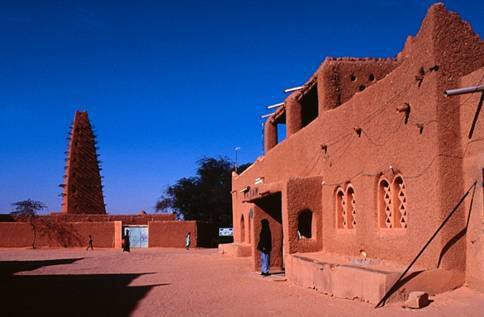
{"x":242,"y":229}
{"x":309,"y":105}
{"x":270,"y":208}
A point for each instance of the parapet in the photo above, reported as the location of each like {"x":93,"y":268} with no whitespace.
{"x":334,"y":83}
{"x":444,"y":42}
{"x":338,"y":79}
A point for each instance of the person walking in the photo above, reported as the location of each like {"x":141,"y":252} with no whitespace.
{"x":187,"y":241}
{"x":89,"y":244}
{"x":265,"y":247}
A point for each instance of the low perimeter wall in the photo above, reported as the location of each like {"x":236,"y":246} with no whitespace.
{"x":57,"y":234}
{"x":53,"y":232}
{"x":141,"y":219}
{"x":171,"y":234}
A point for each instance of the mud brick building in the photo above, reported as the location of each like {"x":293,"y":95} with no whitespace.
{"x":82,"y":186}
{"x":375,"y":158}
{"x":83,"y":210}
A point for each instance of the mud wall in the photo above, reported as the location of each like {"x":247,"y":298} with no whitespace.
{"x":56,"y":234}
{"x":473,"y":168}
{"x":141,"y":219}
{"x":244,"y":210}
{"x":304,"y":195}
{"x":171,"y":234}
{"x":366,"y":139}
{"x":339,"y":79}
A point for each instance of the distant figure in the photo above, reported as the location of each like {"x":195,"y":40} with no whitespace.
{"x":187,"y":241}
{"x":126,"y":241}
{"x":265,"y":247}
{"x":89,"y":244}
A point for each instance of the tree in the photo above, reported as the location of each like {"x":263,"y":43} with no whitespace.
{"x":205,"y":196}
{"x":242,"y":167}
{"x":27,"y":210}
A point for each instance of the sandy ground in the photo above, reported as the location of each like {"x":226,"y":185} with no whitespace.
{"x":176,"y":282}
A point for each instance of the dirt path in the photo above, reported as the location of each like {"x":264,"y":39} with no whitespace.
{"x":175,"y":282}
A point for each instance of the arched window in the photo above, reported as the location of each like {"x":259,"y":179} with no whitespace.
{"x":351,"y":209}
{"x":385,"y":204}
{"x":345,"y":208}
{"x":341,"y":221}
{"x":242,"y":229}
{"x":392,"y":203}
{"x":400,"y":202}
{"x":304,"y":224}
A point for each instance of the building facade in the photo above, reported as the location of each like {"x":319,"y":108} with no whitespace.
{"x":374,"y":159}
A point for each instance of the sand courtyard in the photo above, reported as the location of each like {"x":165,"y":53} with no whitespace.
{"x":176,"y":282}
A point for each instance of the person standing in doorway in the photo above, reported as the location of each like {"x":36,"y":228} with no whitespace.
{"x":265,"y":247}
{"x":187,"y":241}
{"x":126,"y":242}
{"x":89,"y":244}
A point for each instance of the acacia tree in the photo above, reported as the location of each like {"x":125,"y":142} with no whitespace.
{"x":205,"y":196}
{"x":27,"y":210}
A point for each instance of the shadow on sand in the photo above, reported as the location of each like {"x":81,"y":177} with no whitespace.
{"x":66,"y":295}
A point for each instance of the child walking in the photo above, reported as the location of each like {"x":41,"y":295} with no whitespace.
{"x":187,"y":241}
{"x":89,"y":244}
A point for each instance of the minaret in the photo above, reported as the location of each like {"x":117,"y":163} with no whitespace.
{"x":82,"y":181}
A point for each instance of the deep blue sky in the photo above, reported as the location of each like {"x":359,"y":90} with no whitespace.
{"x":167,"y":82}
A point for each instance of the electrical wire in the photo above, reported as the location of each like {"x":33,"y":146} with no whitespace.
{"x":309,"y":168}
{"x":461,"y":104}
{"x":375,"y":114}
{"x":389,"y":135}
{"x":415,"y":176}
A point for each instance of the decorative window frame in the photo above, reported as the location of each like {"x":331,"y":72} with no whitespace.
{"x":392,"y":203}
{"x":345,"y":208}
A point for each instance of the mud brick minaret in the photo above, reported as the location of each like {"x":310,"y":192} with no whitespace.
{"x":82,"y":180}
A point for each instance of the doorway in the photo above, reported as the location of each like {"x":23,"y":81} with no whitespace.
{"x":270,"y":208}
{"x":138,"y":236}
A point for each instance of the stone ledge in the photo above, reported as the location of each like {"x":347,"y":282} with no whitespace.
{"x":364,"y":282}
{"x":235,"y":249}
